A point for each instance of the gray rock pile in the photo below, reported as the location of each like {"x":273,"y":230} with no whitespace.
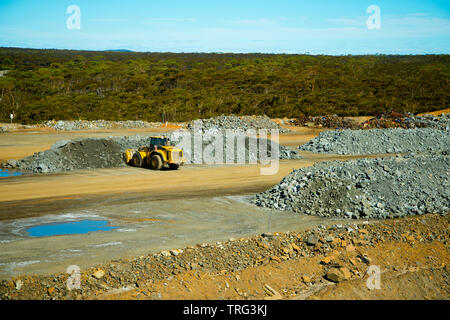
{"x":71,"y":155}
{"x":369,"y":188}
{"x":8,"y":127}
{"x":90,"y":153}
{"x":73,"y":125}
{"x":236,"y":123}
{"x":379,"y":141}
{"x":246,"y":153}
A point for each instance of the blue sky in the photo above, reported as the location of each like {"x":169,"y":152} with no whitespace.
{"x":283,"y":26}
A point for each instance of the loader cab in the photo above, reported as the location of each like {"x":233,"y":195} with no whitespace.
{"x":159,"y":142}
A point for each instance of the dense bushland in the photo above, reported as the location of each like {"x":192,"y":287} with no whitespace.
{"x":64,"y":84}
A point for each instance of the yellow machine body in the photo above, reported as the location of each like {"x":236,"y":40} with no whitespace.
{"x":158,"y":154}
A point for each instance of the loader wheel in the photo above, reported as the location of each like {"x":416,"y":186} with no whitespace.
{"x":137,"y":160}
{"x":155,"y":162}
{"x":174,"y":166}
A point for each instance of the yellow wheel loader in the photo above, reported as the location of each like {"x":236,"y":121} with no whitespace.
{"x":158,"y":154}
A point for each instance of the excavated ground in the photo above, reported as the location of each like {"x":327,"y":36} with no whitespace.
{"x":321,"y":263}
{"x":208,"y":207}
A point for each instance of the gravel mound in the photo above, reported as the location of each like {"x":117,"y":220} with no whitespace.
{"x":8,"y":127}
{"x":90,"y":153}
{"x":248,"y":152}
{"x":369,"y":188}
{"x":379,"y":141}
{"x":72,"y":155}
{"x":233,"y":122}
{"x":72,"y":125}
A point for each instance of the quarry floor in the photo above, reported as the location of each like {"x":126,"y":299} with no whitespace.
{"x":159,"y":210}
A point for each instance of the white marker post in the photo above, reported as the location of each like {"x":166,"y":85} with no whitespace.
{"x":11,"y":116}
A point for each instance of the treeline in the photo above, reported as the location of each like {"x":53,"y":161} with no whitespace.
{"x":63,"y":84}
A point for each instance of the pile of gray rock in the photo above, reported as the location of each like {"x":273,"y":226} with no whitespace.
{"x":75,"y":125}
{"x":72,"y":125}
{"x":368,"y":188}
{"x":71,"y":155}
{"x":236,"y":123}
{"x":379,"y":141}
{"x":251,"y":147}
{"x":8,"y":127}
{"x":89,"y":153}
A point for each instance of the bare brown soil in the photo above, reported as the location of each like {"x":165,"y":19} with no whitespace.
{"x":298,"y":135}
{"x":411,"y":268}
{"x":406,"y":274}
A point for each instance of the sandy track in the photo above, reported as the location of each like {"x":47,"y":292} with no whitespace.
{"x":186,"y":180}
{"x":298,"y":135}
{"x":35,"y":195}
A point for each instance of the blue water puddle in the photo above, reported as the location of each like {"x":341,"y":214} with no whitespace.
{"x":75,"y":227}
{"x":6,"y":173}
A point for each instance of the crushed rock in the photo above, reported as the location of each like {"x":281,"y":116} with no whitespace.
{"x":379,"y":141}
{"x":365,"y":188}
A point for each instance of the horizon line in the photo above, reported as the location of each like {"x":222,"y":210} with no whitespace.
{"x":124,"y":50}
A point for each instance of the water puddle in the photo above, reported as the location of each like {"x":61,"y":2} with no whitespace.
{"x":9,"y":173}
{"x":65,"y":228}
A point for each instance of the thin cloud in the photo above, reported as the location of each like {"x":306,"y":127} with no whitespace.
{"x":254,"y":22}
{"x":417,"y":19}
{"x":421,"y":14}
{"x":173,"y":19}
{"x":355,"y":22}
{"x":113,"y":20}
